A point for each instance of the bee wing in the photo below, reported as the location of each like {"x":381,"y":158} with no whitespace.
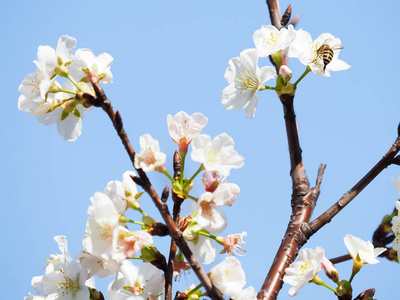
{"x":337,"y":47}
{"x":328,"y":41}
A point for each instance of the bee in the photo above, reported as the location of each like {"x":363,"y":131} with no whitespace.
{"x":325,"y":52}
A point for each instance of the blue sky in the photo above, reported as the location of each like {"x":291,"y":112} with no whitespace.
{"x":171,"y":56}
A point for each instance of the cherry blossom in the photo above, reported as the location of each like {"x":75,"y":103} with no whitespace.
{"x":245,"y":79}
{"x":246,"y":294}
{"x":228,"y":276}
{"x":64,"y":278}
{"x":150,"y":157}
{"x":122,"y":192}
{"x":304,"y":269}
{"x":62,"y":56}
{"x":269,"y":39}
{"x":361,"y":251}
{"x":86,"y":62}
{"x":396,"y":183}
{"x":231,"y":242}
{"x":183,"y":128}
{"x":137,"y":283}
{"x":306,"y":50}
{"x":217,"y":154}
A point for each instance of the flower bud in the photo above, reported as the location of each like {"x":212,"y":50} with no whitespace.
{"x":285,"y":72}
{"x":211,"y":180}
{"x":330,"y":270}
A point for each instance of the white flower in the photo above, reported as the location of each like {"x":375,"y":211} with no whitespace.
{"x":97,"y":265}
{"x":306,"y":267}
{"x":362,"y":251}
{"x":246,"y":294}
{"x":269,"y":39}
{"x":245,"y":79}
{"x":130,"y":243}
{"x":64,"y":279}
{"x":305,"y":49}
{"x":183,"y":128}
{"x":102,"y":228}
{"x":396,"y":183}
{"x":33,"y":91}
{"x":85,"y":61}
{"x":207,"y":215}
{"x":121,"y":192}
{"x":203,"y":249}
{"x":228,"y":276}
{"x":150,"y":157}
{"x":216,"y":155}
{"x":66,"y":112}
{"x":136,"y":283}
{"x":53,"y":58}
{"x":35,"y":297}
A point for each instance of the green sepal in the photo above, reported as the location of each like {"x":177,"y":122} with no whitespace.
{"x":344,"y":288}
{"x":102,"y":76}
{"x":76,"y":113}
{"x":64,"y":115}
{"x":191,"y":232}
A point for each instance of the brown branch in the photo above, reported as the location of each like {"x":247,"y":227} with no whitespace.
{"x":303,"y":202}
{"x":274,"y":13}
{"x":327,"y":216}
{"x":286,"y":16}
{"x":143,"y":180}
{"x":175,"y":213}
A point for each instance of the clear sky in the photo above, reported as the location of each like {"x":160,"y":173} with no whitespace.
{"x":171,"y":56}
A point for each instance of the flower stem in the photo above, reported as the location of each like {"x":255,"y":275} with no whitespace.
{"x":183,"y":157}
{"x":319,"y":281}
{"x":206,"y":234}
{"x":73,"y":82}
{"x":165,"y":172}
{"x":201,"y":168}
{"x":308,"y":70}
{"x":135,"y":222}
{"x":194,"y":290}
{"x":264,"y":87}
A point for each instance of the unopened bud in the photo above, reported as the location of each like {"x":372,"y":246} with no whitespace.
{"x":330,"y":270}
{"x":211,"y":180}
{"x":149,"y":253}
{"x":285,"y":72}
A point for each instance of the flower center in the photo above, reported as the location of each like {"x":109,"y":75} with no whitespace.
{"x":303,"y":268}
{"x":106,"y":232}
{"x":271,"y":41}
{"x":69,"y":285}
{"x":247,"y":81}
{"x":213,"y":156}
{"x":149,"y":158}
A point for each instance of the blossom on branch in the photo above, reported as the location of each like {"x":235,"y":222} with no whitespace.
{"x":396,"y":183}
{"x":184,"y":128}
{"x":64,"y":278}
{"x":57,"y":61}
{"x":217,"y":154}
{"x":246,"y":294}
{"x":269,"y":39}
{"x":306,"y":50}
{"x":86,"y":64}
{"x":136,"y":283}
{"x":304,"y":269}
{"x":150,"y":157}
{"x":228,"y":276}
{"x":361,"y":251}
{"x":245,"y":79}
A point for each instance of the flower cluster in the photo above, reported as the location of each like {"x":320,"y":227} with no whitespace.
{"x":309,"y":263}
{"x":65,"y":104}
{"x":109,"y":243}
{"x":245,"y":78}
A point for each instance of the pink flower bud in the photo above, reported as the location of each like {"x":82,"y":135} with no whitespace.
{"x":211,"y":180}
{"x":285,"y":72}
{"x":330,"y":270}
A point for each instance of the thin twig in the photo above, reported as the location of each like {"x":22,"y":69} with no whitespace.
{"x":143,"y":180}
{"x":327,"y":216}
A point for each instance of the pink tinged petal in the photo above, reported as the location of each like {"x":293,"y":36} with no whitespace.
{"x":65,"y":47}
